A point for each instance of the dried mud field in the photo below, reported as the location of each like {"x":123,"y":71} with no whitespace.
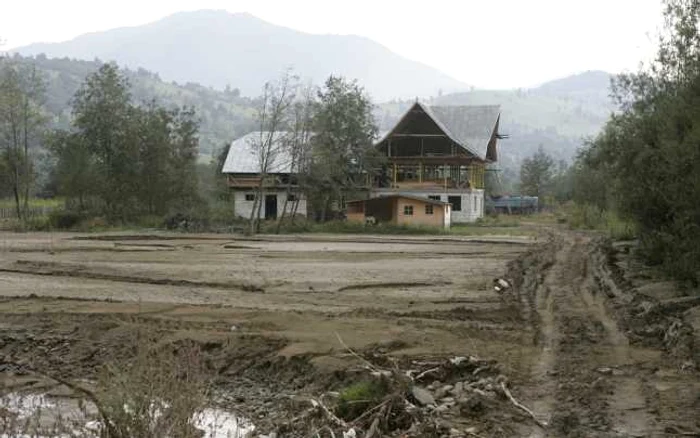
{"x":586,"y":341}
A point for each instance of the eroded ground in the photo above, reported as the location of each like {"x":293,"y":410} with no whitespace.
{"x":589,"y":347}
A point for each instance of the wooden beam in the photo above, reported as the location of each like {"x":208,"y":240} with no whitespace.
{"x":420,"y":135}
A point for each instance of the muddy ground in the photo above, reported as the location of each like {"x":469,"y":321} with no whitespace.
{"x":588,"y":339}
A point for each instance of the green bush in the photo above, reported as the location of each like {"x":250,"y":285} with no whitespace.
{"x":358,"y":397}
{"x":65,"y":219}
{"x":590,"y":217}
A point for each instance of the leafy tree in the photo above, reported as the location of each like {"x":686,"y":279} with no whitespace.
{"x":647,"y":158}
{"x":342,"y":144}
{"x":536,"y":174}
{"x":103,"y":117}
{"x":22,"y":124}
{"x":133,"y":159}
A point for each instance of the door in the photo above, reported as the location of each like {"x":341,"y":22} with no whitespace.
{"x":270,"y":206}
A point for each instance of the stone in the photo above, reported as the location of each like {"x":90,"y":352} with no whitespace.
{"x":422,"y":396}
{"x":458,"y":389}
{"x":605,"y":370}
{"x":472,"y":405}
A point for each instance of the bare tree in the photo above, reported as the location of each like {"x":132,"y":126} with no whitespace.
{"x":272,"y":118}
{"x":298,"y":148}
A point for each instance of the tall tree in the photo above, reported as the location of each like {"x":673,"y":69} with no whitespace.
{"x":298,"y":148}
{"x":21,"y":127}
{"x":103,"y":117}
{"x":648,"y":158}
{"x":536,"y":173}
{"x":343,"y":152}
{"x":272,"y":119}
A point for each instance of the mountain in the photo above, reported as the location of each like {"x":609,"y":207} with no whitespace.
{"x":217,"y":48}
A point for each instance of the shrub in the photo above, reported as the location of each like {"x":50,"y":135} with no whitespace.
{"x":65,"y":219}
{"x":361,"y":396}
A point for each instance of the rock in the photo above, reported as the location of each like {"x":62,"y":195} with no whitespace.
{"x":472,"y":405}
{"x":422,"y":396}
{"x":458,"y":389}
{"x":350,"y":433}
{"x":605,"y":370}
{"x":442,"y":408}
{"x":233,"y":328}
{"x":443,"y":391}
{"x":458,"y":360}
{"x":447,"y":400}
{"x":455,"y":432}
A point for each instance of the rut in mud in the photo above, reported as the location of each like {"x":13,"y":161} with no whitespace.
{"x":589,"y":378}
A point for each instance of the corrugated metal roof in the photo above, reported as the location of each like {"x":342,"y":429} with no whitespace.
{"x":471,"y":125}
{"x":243,"y":157}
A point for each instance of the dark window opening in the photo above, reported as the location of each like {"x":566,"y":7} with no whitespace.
{"x":456,"y":202}
{"x":408,"y":210}
{"x":249,"y":197}
{"x":292,"y":198}
{"x":428,"y":209}
{"x":434,"y":197}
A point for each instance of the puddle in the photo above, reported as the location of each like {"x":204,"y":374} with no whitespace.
{"x":214,"y":423}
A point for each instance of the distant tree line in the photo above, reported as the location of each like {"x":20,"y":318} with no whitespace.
{"x":645,"y":164}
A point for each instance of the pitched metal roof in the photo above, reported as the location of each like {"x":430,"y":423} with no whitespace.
{"x":470,"y":126}
{"x":243,"y":157}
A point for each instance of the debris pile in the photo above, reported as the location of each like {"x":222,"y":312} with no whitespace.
{"x":457,"y":397}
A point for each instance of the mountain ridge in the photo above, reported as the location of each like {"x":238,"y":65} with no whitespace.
{"x":186,"y":47}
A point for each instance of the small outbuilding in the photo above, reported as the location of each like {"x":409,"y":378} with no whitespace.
{"x":400,"y":209}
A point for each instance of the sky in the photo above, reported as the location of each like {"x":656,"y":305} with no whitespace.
{"x":484,"y":43}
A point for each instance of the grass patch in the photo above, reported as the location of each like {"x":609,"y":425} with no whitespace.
{"x":34,"y":202}
{"x":589,"y":217}
{"x":355,"y":399}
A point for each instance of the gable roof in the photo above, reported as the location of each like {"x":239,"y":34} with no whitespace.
{"x":242,"y":156}
{"x":470,"y":126}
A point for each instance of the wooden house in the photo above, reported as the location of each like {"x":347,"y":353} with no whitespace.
{"x":400,"y":210}
{"x":440,"y":153}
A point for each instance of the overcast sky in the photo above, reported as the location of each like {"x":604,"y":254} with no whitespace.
{"x":486,"y":43}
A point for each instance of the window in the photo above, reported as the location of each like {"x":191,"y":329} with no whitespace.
{"x":434,"y":197}
{"x":408,"y":210}
{"x":292,"y":198}
{"x":456,"y":202}
{"x":429,"y":209}
{"x":249,"y":197}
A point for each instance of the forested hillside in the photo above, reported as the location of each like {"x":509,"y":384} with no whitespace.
{"x":224,"y":115}
{"x":556,"y":115}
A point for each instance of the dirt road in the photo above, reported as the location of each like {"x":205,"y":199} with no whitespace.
{"x":589,"y":379}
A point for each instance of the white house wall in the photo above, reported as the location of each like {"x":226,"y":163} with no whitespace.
{"x":244,"y":208}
